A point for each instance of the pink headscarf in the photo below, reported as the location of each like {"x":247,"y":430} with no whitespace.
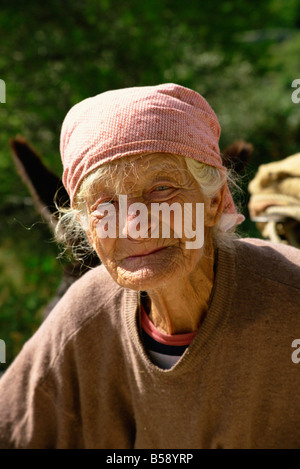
{"x":167,"y":118}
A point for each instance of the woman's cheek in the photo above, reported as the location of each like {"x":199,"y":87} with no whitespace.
{"x":105,"y":247}
{"x":93,"y":237}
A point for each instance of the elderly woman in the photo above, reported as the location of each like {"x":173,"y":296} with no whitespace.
{"x":184,"y":336}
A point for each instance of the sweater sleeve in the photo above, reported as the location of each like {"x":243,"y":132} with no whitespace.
{"x":39,"y":392}
{"x":55,"y":380}
{"x":36,"y":407}
{"x":28,"y":414}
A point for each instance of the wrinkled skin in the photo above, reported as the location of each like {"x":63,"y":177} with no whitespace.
{"x":178,"y":280}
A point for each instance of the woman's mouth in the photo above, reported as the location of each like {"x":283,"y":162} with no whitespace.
{"x":144,"y":253}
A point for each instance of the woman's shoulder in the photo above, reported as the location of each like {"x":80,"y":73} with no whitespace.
{"x":91,"y":303}
{"x":96,"y":281}
{"x":90,"y":307}
{"x":275,"y":261}
{"x":92,"y":294}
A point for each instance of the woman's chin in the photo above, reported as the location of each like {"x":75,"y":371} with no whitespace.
{"x":144,"y":278}
{"x":146,"y":272}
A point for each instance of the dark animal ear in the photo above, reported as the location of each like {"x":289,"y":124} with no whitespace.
{"x":237,"y":155}
{"x":42,"y":183}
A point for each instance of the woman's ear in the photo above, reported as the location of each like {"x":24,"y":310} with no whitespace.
{"x":213,"y":207}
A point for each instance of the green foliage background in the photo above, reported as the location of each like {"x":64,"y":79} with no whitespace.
{"x":242,"y":56}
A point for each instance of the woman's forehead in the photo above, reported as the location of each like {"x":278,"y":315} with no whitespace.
{"x":145,"y":168}
{"x":135,"y":173}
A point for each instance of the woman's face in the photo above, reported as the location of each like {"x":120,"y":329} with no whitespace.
{"x":144,"y":263}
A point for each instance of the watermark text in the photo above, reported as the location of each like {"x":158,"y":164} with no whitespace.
{"x":296,"y":94}
{"x":164,"y":220}
{"x":2,"y":91}
{"x":2,"y":351}
{"x":296,"y":353}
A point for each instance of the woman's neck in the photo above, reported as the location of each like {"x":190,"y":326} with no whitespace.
{"x":181,"y":306}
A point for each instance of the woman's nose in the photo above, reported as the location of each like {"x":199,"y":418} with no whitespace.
{"x":133,"y":220}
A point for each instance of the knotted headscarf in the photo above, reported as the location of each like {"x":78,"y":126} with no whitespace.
{"x":167,"y":118}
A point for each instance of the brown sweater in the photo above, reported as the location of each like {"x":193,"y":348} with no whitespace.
{"x":84,"y":379}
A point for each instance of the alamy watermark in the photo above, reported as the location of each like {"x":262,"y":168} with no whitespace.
{"x":296,"y":353}
{"x":164,"y":221}
{"x":296,"y":94}
{"x":2,"y":91}
{"x":2,"y":351}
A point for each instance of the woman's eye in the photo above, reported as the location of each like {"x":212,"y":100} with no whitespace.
{"x":107,"y":202}
{"x":162,"y":192}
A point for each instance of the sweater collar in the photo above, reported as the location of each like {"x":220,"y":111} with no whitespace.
{"x":212,"y":328}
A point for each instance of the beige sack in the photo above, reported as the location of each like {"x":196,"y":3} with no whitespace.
{"x":275,"y":200}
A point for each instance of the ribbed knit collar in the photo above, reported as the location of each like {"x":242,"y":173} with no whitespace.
{"x":211,"y":330}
